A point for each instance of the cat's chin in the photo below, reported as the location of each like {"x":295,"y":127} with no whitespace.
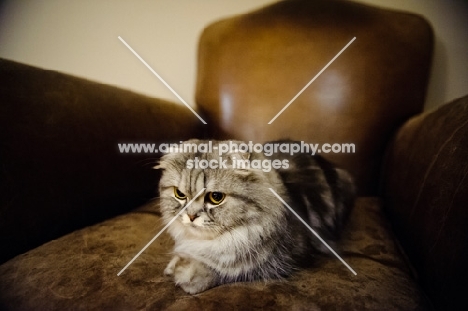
{"x":180,"y":230}
{"x":200,"y":233}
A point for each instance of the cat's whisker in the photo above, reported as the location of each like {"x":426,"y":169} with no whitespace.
{"x":241,"y":232}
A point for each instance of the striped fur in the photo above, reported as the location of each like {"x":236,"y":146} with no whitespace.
{"x":250,"y":235}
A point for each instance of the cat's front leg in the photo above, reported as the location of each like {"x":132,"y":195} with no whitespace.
{"x":191,"y":275}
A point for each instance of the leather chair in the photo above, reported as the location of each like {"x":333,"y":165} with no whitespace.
{"x":69,"y":215}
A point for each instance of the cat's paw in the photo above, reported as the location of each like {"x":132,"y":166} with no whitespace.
{"x":169,"y":271}
{"x":193,"y":276}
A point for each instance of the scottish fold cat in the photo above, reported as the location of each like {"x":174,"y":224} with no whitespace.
{"x":236,"y":229}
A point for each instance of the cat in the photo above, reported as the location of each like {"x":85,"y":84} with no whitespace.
{"x":237,"y":229}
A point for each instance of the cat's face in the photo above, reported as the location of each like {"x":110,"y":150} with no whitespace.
{"x":230,"y":198}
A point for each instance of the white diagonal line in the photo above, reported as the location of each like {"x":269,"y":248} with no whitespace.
{"x":159,"y":233}
{"x":313,"y":231}
{"x":161,"y":79}
{"x":313,"y":79}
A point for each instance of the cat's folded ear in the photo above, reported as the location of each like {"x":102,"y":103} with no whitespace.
{"x":159,"y":166}
{"x":162,"y":163}
{"x":239,"y":160}
{"x":167,"y":161}
{"x":242,"y":156}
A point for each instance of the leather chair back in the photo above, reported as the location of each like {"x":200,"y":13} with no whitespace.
{"x":250,"y":66}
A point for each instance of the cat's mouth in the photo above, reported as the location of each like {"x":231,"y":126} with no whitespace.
{"x":199,"y":231}
{"x":193,"y":221}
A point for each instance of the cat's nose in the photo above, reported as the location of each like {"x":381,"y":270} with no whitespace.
{"x":192,"y":217}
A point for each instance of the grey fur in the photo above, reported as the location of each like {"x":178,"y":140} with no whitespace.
{"x":250,"y":235}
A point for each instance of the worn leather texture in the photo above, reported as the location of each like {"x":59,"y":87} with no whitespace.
{"x":426,"y":196}
{"x":61,"y":173}
{"x":79,"y":272}
{"x":251,"y":65}
{"x":60,"y":164}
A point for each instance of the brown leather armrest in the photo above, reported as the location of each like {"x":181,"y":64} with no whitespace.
{"x":60,"y":164}
{"x":426,"y":194}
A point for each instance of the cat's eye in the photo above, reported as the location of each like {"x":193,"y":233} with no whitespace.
{"x":216,"y":197}
{"x":179,"y":194}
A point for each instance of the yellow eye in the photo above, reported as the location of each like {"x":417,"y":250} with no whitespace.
{"x":216,"y":197}
{"x":178,"y":194}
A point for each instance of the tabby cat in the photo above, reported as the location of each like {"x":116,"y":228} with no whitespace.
{"x":237,"y":229}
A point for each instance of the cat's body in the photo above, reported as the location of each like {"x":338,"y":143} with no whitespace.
{"x":237,"y":229}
